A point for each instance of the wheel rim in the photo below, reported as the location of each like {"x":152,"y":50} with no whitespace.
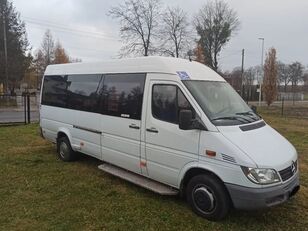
{"x":63,"y":150}
{"x":204,"y":199}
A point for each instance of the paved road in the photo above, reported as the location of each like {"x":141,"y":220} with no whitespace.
{"x":17,"y":116}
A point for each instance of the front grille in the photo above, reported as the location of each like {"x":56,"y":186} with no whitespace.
{"x":287,"y":173}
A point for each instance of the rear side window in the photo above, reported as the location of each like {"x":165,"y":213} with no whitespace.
{"x":83,"y":92}
{"x":54,"y":91}
{"x":167,"y":101}
{"x":79,"y":92}
{"x":122,"y":95}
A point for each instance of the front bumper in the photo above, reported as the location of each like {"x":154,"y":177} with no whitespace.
{"x":258,"y":198}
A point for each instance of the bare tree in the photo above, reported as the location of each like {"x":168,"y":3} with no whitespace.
{"x":175,"y":32}
{"x":48,"y":48}
{"x":296,"y":73}
{"x":215,"y":23}
{"x":284,"y":74}
{"x":44,"y":56}
{"x":50,"y":53}
{"x":250,"y":76}
{"x":39,"y":64}
{"x":234,"y":78}
{"x":296,"y":76}
{"x":270,"y":77}
{"x":139,"y":25}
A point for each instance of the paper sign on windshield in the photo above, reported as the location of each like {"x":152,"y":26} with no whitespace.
{"x":183,"y":75}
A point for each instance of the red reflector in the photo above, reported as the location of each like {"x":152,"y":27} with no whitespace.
{"x":210,"y":153}
{"x":143,"y":164}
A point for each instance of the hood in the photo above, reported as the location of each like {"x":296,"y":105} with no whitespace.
{"x":265,"y":146}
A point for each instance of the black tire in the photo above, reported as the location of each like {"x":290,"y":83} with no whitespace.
{"x":208,"y":197}
{"x":65,"y":151}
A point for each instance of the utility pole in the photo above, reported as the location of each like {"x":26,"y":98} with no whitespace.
{"x":5,"y":50}
{"x":242,"y":73}
{"x":262,"y":72}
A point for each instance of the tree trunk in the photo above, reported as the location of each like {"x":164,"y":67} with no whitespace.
{"x":293,"y":94}
{"x":145,"y":51}
{"x":215,"y":64}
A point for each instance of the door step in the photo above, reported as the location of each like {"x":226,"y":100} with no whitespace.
{"x":138,"y":180}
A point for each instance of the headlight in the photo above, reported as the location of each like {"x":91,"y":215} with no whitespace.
{"x":261,"y":175}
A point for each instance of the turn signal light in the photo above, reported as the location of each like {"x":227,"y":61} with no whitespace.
{"x":210,"y":153}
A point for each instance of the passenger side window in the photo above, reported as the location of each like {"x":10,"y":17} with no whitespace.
{"x":164,"y":103}
{"x":83,"y":92}
{"x":55,"y":91}
{"x":167,"y":101}
{"x":122,"y":95}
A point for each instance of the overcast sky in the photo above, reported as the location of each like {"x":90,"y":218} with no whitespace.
{"x":86,"y":31}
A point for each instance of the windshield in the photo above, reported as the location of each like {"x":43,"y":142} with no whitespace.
{"x":221,"y":103}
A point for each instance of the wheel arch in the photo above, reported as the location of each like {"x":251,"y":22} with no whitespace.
{"x":194,"y":169}
{"x":64,"y":132}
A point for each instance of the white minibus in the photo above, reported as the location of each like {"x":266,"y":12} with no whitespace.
{"x":172,"y":126}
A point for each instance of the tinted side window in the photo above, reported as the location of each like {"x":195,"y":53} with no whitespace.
{"x":167,"y":101}
{"x":83,"y":93}
{"x":164,"y":103}
{"x":54,"y":91}
{"x":122,"y":95}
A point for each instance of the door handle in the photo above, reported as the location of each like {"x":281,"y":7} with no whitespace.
{"x":134,"y":126}
{"x":153,"y":130}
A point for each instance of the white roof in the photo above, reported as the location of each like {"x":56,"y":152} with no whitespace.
{"x":151,"y":64}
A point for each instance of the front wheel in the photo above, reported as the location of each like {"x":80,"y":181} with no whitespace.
{"x":65,"y":151}
{"x":208,"y":197}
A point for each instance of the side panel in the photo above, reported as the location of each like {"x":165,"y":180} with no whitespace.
{"x":70,"y":103}
{"x":53,"y":119}
{"x":120,"y":143}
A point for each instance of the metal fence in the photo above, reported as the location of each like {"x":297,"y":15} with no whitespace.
{"x":19,"y":109}
{"x":284,"y":108}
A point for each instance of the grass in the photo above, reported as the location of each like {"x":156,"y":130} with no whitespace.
{"x":40,"y":192}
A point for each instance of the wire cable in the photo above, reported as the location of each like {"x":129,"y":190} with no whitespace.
{"x":59,"y":27}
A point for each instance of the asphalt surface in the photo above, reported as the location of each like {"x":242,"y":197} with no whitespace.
{"x":17,"y":116}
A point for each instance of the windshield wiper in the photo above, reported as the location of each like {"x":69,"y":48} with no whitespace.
{"x":250,"y":115}
{"x":245,"y":113}
{"x":238,"y":118}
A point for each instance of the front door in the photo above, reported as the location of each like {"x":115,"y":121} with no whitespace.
{"x":168,"y":149}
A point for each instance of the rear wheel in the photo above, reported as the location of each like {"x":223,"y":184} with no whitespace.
{"x":65,"y":151}
{"x":208,"y":197}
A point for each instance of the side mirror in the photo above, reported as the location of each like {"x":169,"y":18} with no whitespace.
{"x":253,"y":108}
{"x":185,"y":119}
